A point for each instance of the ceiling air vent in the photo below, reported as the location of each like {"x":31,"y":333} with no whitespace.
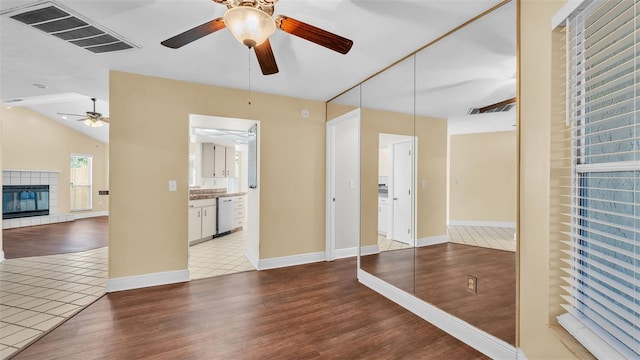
{"x":55,"y":20}
{"x":502,"y":106}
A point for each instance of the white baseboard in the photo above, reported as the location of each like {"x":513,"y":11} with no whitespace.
{"x":369,"y":250}
{"x":252,"y":259}
{"x":480,"y":340}
{"x":146,"y":280}
{"x":345,"y":253}
{"x":1,"y":256}
{"x":520,"y":355}
{"x":432,"y":240}
{"x":274,"y":263}
{"x":506,"y":224}
{"x":90,"y":214}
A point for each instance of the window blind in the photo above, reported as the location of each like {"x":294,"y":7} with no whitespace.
{"x":603,"y":263}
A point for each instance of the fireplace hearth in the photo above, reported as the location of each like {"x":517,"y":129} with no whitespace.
{"x":24,"y":201}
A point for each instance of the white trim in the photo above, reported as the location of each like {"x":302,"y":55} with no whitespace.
{"x":432,"y":240}
{"x":252,"y":259}
{"x":346,"y":252}
{"x":590,"y":340}
{"x":285,"y":261}
{"x":520,"y":355}
{"x":609,"y":167}
{"x":564,"y":13}
{"x":480,"y":340}
{"x":85,"y":215}
{"x":369,"y":250}
{"x":1,"y":256}
{"x":505,"y":224}
{"x":146,"y":280}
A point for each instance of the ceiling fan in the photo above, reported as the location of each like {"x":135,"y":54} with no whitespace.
{"x":251,"y":22}
{"x":91,"y":118}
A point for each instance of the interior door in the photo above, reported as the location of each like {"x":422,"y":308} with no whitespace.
{"x":343,"y":162}
{"x":402,"y":192}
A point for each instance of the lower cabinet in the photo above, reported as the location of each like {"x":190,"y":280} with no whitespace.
{"x":239,"y":211}
{"x":208,"y":221}
{"x":383,"y":215}
{"x":202,"y":219}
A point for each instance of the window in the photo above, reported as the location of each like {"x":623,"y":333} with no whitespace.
{"x":80,"y":180}
{"x":603,"y":306}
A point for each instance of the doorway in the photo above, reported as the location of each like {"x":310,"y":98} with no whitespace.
{"x":343,"y":186}
{"x":223,"y":208}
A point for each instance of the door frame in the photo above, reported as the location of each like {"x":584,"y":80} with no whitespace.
{"x":330,"y":210}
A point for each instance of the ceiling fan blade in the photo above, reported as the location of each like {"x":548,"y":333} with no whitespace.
{"x":194,"y":34}
{"x":265,"y":58}
{"x":314,"y":34}
{"x":104,"y":119}
{"x":70,"y":114}
{"x":83,"y":119}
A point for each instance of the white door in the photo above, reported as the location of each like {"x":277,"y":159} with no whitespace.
{"x":343,"y":186}
{"x":402,"y":192}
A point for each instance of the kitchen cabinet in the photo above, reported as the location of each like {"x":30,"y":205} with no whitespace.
{"x":218,"y":161}
{"x":239,"y":211}
{"x":219,"y":166}
{"x":383,"y":215}
{"x":202,"y":219}
{"x":230,"y":162}
{"x":208,"y":159}
{"x":195,"y":224}
{"x":208,"y":221}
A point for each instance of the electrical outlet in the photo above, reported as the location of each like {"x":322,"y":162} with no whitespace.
{"x":472,"y":284}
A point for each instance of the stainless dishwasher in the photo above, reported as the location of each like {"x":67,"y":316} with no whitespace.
{"x":225,"y":215}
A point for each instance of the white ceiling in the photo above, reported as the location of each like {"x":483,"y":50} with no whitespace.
{"x":382,"y":31}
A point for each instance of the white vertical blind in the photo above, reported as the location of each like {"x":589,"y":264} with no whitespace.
{"x":603,"y":82}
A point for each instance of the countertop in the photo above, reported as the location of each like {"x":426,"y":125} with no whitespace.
{"x":199,"y":194}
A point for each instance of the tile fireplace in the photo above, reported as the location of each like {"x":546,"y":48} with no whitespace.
{"x":24,"y":201}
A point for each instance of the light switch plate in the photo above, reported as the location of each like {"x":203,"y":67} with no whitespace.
{"x":173,"y":186}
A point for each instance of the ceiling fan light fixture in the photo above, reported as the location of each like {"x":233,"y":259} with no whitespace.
{"x":93,"y":123}
{"x":249,"y":25}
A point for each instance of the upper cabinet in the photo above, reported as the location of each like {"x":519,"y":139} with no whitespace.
{"x":218,"y":161}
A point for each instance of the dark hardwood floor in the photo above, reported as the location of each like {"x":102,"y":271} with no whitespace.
{"x":440,"y":278}
{"x":60,"y":238}
{"x":315,"y":311}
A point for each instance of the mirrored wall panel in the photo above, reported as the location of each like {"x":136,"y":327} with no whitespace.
{"x":438,"y":173}
{"x":388,"y":155}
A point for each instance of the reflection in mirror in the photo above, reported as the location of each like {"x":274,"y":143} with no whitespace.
{"x":343,"y":104}
{"x":465,"y":262}
{"x":387,"y":163}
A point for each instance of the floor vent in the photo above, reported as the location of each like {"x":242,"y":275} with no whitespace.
{"x":55,"y":20}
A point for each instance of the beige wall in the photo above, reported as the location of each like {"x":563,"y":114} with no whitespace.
{"x":149,"y":146}
{"x":537,"y":340}
{"x":431,"y":136}
{"x":31,"y":141}
{"x":482,"y":177}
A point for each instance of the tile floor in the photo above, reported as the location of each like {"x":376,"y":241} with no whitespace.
{"x":37,"y":293}
{"x":499,"y":238}
{"x":219,"y":256}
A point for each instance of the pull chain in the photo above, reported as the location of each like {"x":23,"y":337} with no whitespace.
{"x":249,"y":75}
